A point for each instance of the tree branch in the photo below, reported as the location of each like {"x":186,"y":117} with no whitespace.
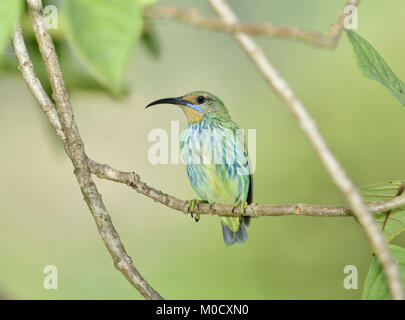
{"x":34,"y":84}
{"x":73,"y":144}
{"x":194,"y":18}
{"x":331,"y":164}
{"x":132,"y":179}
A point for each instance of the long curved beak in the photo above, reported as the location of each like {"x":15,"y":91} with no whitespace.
{"x":177,"y":100}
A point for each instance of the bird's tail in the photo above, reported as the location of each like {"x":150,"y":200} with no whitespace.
{"x":234,"y":230}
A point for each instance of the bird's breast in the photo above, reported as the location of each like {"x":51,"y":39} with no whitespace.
{"x":216,"y":162}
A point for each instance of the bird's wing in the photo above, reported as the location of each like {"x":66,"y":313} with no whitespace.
{"x":249,"y":198}
{"x":241,"y":141}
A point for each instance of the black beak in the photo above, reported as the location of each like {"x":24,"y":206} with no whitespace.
{"x":178,"y":100}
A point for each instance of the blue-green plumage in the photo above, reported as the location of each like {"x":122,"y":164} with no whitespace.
{"x":216,"y":159}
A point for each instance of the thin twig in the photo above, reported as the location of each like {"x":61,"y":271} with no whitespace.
{"x":34,"y":84}
{"x":336,"y":30}
{"x":331,"y":164}
{"x":74,"y":145}
{"x":194,"y":18}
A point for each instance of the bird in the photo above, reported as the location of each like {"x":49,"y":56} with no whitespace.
{"x":216,"y":159}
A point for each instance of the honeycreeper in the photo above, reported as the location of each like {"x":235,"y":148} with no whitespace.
{"x":216,"y":158}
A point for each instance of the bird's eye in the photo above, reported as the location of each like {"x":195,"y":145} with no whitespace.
{"x":200,"y":99}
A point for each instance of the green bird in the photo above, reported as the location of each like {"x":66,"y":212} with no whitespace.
{"x":216,"y":158}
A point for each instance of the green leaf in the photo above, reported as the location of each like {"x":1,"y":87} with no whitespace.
{"x":384,"y":191}
{"x":75,"y":74}
{"x":375,"y":287}
{"x":373,"y":66}
{"x":9,"y":14}
{"x":150,"y":39}
{"x":103,"y":34}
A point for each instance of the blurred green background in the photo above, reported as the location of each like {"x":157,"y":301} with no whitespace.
{"x":44,"y":221}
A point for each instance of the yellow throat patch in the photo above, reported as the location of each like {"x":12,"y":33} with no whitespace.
{"x":192,"y":115}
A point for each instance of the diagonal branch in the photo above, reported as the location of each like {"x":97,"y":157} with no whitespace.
{"x":34,"y":84}
{"x":194,"y":18}
{"x":73,"y":144}
{"x":310,"y":129}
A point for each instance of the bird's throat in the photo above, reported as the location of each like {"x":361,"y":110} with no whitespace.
{"x":192,"y":115}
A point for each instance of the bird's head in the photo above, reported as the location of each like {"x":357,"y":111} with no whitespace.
{"x":197,"y":105}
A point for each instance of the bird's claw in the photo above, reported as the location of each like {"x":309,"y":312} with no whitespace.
{"x":242,"y":204}
{"x":190,"y":209}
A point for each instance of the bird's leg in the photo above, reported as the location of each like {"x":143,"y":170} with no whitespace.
{"x":191,"y":205}
{"x":242,"y":204}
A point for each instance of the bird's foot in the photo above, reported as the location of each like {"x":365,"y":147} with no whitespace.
{"x":242,"y":204}
{"x":191,"y":206}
